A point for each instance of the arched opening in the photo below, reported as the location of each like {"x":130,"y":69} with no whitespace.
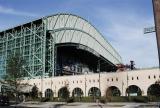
{"x":77,"y":92}
{"x":94,"y":91}
{"x":63,"y":93}
{"x":134,"y":90}
{"x":48,"y":93}
{"x":113,"y":91}
{"x":154,"y":90}
{"x":73,"y":58}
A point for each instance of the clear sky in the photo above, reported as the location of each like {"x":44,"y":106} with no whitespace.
{"x":120,"y":21}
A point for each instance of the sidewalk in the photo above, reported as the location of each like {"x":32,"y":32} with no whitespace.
{"x":87,"y":105}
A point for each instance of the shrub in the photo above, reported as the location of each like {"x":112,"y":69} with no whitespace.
{"x":119,"y":99}
{"x":154,"y":98}
{"x":102,"y":100}
{"x":64,"y":93}
{"x":139,"y":99}
{"x":70,"y":100}
{"x":77,"y":99}
{"x":45,"y":99}
{"x":34,"y":92}
{"x":87,"y":99}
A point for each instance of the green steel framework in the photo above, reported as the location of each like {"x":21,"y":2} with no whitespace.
{"x":29,"y":40}
{"x":36,"y":43}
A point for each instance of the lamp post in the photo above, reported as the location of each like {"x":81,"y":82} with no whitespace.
{"x":98,"y":70}
{"x":127,"y":87}
{"x":41,"y":85}
{"x":85,"y":83}
{"x":122,"y":87}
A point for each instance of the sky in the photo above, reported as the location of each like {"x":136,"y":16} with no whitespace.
{"x":120,"y":21}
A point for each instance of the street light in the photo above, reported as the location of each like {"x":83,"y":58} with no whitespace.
{"x":85,"y":83}
{"x":98,"y":70}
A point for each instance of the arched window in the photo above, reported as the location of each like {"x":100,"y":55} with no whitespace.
{"x":134,"y":90}
{"x":63,"y":92}
{"x":77,"y":92}
{"x":113,"y":91}
{"x":154,"y":90}
{"x":94,"y":91}
{"x":48,"y":93}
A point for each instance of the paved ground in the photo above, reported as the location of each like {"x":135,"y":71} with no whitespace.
{"x":82,"y":105}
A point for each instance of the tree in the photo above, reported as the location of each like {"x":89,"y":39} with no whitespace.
{"x":64,"y":93}
{"x":34,"y":92}
{"x":154,"y":89}
{"x":14,"y":73}
{"x":109,"y":94}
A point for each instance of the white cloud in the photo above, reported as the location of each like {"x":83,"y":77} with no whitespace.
{"x":6,"y":10}
{"x":124,"y":30}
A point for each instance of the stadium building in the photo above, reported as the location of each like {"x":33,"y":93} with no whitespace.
{"x":67,"y":50}
{"x":57,"y":45}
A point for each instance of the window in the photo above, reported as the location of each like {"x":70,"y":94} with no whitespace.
{"x":116,"y":79}
{"x":73,"y":81}
{"x":93,"y":80}
{"x":89,"y":80}
{"x":149,"y":77}
{"x":48,"y":93}
{"x":107,"y":79}
{"x":132,"y":78}
{"x":112,"y":79}
{"x":77,"y":82}
{"x":154,"y":77}
{"x":137,"y":78}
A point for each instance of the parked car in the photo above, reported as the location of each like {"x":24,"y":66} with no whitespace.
{"x":4,"y":100}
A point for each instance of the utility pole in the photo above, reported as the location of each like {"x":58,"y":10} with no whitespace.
{"x":128,"y":87}
{"x":156,"y":11}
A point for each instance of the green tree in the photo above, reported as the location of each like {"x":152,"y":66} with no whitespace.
{"x":64,"y":93}
{"x":34,"y":92}
{"x":14,"y":74}
{"x":154,"y":89}
{"x":109,"y":94}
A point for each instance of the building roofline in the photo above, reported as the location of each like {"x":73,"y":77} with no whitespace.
{"x":45,"y":17}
